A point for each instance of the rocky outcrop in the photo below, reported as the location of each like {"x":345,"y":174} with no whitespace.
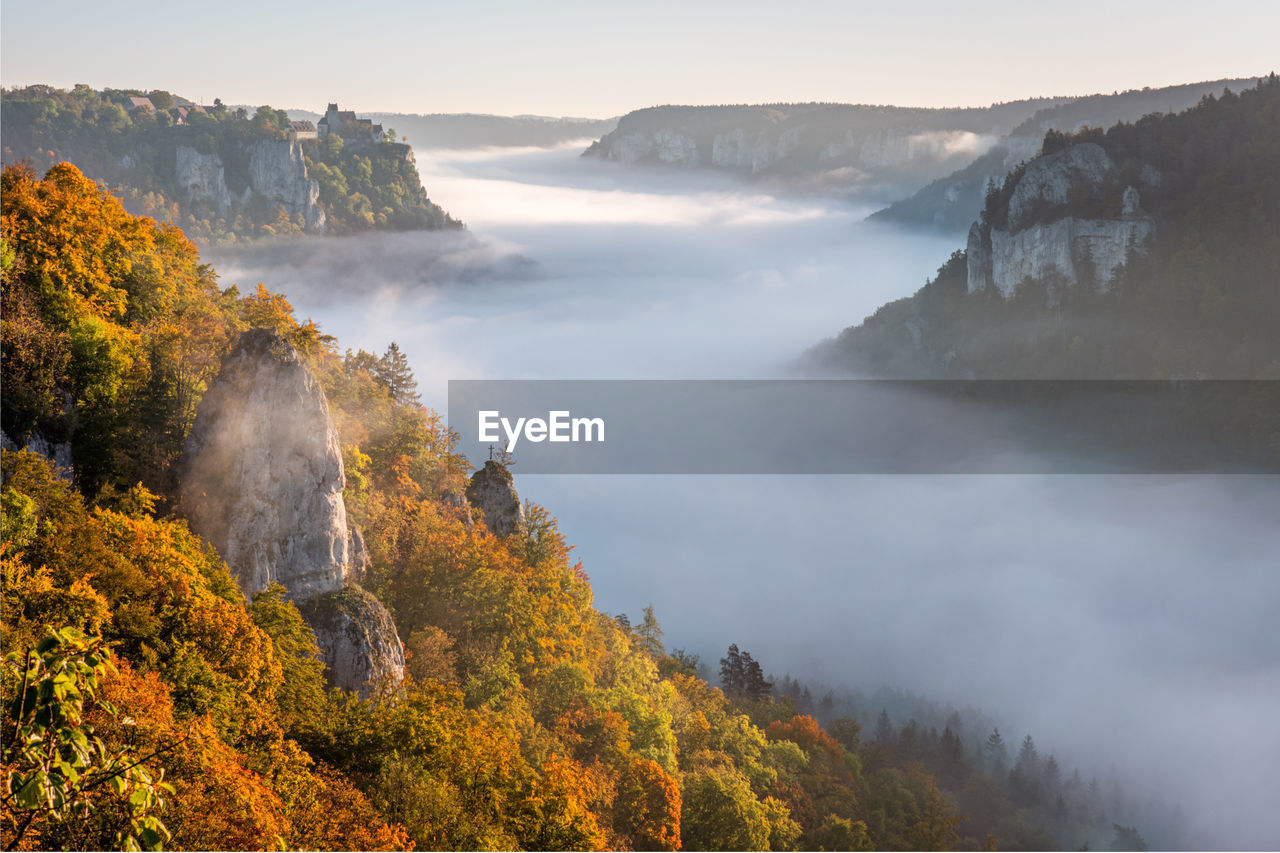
{"x":1068,"y":248}
{"x":457,"y":503}
{"x":278,"y":172}
{"x":743,"y":150}
{"x":493,"y":492}
{"x":360,"y":560}
{"x":626,"y":147}
{"x":59,"y":453}
{"x":357,"y":639}
{"x":675,"y":148}
{"x":261,"y":478}
{"x":1042,"y":242}
{"x":817,"y":141}
{"x":1048,"y":180}
{"x":203,"y":177}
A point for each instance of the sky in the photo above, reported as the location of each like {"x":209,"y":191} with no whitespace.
{"x":595,"y":59}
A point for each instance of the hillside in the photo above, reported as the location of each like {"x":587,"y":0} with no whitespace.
{"x":1149,"y":250}
{"x":882,"y":149}
{"x":188,"y":675}
{"x":221,"y":174}
{"x":952,"y":202}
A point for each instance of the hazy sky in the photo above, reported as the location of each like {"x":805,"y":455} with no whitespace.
{"x":600,"y":59}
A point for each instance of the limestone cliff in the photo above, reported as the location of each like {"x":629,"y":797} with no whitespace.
{"x":493,"y":492}
{"x":277,"y":173}
{"x":262,"y":478}
{"x":203,"y":177}
{"x":1039,"y":239}
{"x":822,"y":144}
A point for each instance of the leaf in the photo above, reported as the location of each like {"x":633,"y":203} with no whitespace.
{"x":31,"y":794}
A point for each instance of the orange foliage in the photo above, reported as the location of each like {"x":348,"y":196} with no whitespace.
{"x":648,"y":806}
{"x":807,"y":733}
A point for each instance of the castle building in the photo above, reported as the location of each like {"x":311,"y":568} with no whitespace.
{"x":345,"y":124}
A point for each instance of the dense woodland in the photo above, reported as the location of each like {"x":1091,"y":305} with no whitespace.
{"x":362,"y":187}
{"x":1201,"y":303}
{"x":147,"y":704}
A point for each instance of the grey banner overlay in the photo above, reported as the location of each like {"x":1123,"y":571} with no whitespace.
{"x":874,"y":426}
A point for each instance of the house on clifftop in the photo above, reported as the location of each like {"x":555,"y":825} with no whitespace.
{"x":301,"y":130}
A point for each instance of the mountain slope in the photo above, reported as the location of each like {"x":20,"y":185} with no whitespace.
{"x":1199,"y":298}
{"x":952,"y":202}
{"x":816,"y":146}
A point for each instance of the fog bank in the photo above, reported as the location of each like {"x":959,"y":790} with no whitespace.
{"x":1125,"y":620}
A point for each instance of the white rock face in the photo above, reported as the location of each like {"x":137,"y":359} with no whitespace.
{"x":888,"y":148}
{"x":262,"y":474}
{"x":357,"y":640}
{"x":839,"y":148}
{"x":1063,"y":247}
{"x":278,"y":172}
{"x":203,"y":177}
{"x":1050,"y":178}
{"x":262,"y":479}
{"x":1130,"y":201}
{"x":58,"y":453}
{"x":741,"y":149}
{"x":676,"y":148}
{"x":629,"y":147}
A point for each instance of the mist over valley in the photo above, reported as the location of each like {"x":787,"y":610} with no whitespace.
{"x":571,"y":426}
{"x":1122,"y":621}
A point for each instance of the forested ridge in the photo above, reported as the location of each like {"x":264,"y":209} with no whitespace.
{"x":362,"y":187}
{"x":1200,"y":301}
{"x":147,"y":704}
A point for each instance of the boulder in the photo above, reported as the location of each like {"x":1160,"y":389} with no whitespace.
{"x":357,"y":639}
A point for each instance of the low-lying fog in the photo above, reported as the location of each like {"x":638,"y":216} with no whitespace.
{"x":1120,"y":621}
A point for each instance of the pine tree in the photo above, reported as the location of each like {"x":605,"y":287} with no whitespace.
{"x":754,"y":685}
{"x":649,"y":633}
{"x":394,"y":372}
{"x":996,"y":754}
{"x":1024,"y":779}
{"x":731,"y":670}
{"x":1052,"y":774}
{"x":884,"y":729}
